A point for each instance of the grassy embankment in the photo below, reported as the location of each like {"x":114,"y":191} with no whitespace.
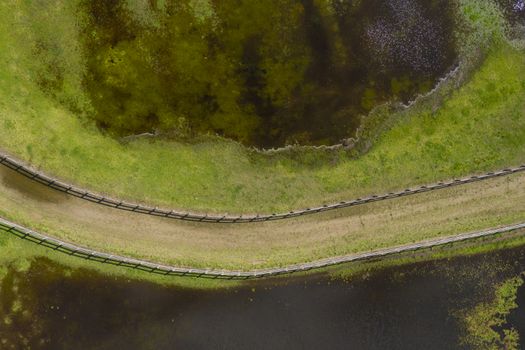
{"x":481,"y":127}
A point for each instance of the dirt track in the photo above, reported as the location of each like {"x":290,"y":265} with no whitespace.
{"x":471,"y":207}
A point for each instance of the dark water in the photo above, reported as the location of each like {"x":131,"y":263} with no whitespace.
{"x":516,"y":318}
{"x":409,"y":307}
{"x":265,"y":73}
{"x":514,"y":10}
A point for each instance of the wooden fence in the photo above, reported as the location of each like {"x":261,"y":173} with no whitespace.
{"x":34,"y":175}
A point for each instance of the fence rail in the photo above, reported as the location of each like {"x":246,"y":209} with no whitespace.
{"x":106,"y":258}
{"x":26,"y":171}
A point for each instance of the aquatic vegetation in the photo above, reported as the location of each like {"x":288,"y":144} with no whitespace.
{"x":484,"y":322}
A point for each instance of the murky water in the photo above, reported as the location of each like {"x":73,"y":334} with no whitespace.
{"x":409,"y":307}
{"x":514,"y":11}
{"x":266,"y":73}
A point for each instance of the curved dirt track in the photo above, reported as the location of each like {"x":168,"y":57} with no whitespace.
{"x":253,"y":246}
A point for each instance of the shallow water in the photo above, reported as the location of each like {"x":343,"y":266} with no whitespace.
{"x":409,"y":307}
{"x":265,"y":73}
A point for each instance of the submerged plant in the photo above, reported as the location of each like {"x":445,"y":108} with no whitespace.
{"x":484,"y":324}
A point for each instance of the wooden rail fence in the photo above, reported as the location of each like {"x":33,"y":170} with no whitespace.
{"x":74,"y":250}
{"x":26,"y":171}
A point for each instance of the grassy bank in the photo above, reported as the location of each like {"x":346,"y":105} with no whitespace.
{"x":446,"y":252}
{"x":480,"y":127}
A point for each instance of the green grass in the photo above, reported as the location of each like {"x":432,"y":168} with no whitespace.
{"x":480,"y":127}
{"x":503,"y":242}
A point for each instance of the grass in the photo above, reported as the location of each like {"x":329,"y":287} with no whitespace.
{"x":446,"y":252}
{"x":480,"y":127}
